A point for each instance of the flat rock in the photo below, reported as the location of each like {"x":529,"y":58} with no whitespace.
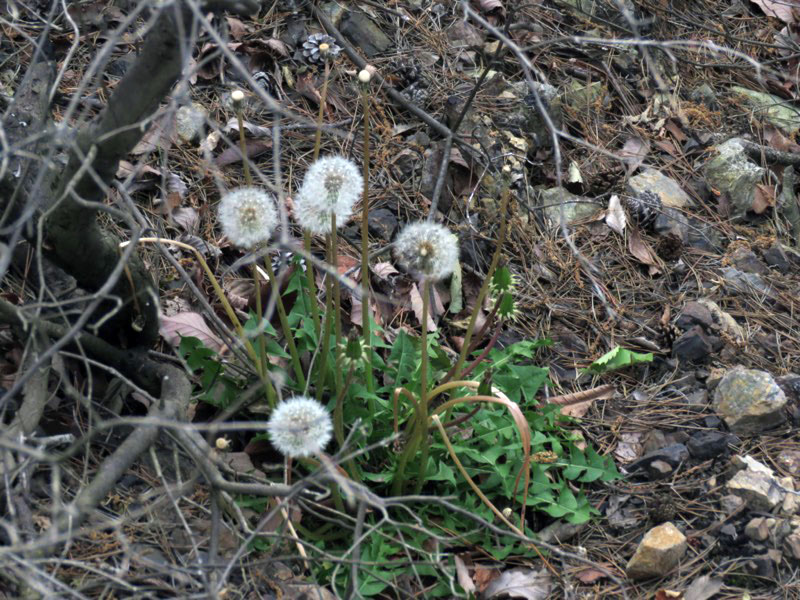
{"x":749,"y":401}
{"x":658,"y":553}
{"x":759,"y":490}
{"x":707,"y":444}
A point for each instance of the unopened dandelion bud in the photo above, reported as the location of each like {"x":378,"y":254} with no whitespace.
{"x":248,"y":216}
{"x":427,"y":250}
{"x":299,"y":427}
{"x":332,"y":186}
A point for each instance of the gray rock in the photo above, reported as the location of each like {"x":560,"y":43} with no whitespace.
{"x":749,"y":401}
{"x":731,"y":503}
{"x":773,"y":109}
{"x":190,"y":122}
{"x":560,"y":532}
{"x":694,"y":345}
{"x":359,"y":29}
{"x":758,"y":529}
{"x":707,"y":444}
{"x":667,"y":189}
{"x":734,"y":174}
{"x":658,"y":553}
{"x":759,"y":490}
{"x":575,"y":207}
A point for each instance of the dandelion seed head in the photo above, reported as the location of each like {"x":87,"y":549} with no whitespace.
{"x":427,"y":250}
{"x":331,"y":186}
{"x":248,"y":216}
{"x":299,"y":426}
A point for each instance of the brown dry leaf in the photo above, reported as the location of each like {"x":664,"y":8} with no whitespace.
{"x":615,"y":215}
{"x":780,"y":9}
{"x":668,"y":595}
{"x":674,"y":127}
{"x":232,"y":154}
{"x":668,"y":147}
{"x":186,"y":218}
{"x":383,"y":270}
{"x":483,"y":576}
{"x":462,"y":575}
{"x":345,"y":263}
{"x":642,"y":252}
{"x":189,"y":324}
{"x":521,"y":583}
{"x":254,"y":130}
{"x":238,"y":29}
{"x":305,"y":86}
{"x":139,"y":171}
{"x":577,"y":410}
{"x":590,"y":575}
{"x":763,"y":199}
{"x":702,"y":588}
{"x":488,"y":6}
{"x":634,"y":152}
{"x":158,"y":136}
{"x":416,"y":306}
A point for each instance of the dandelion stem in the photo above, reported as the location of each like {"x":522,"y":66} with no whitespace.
{"x":287,"y":331}
{"x":365,"y":324}
{"x":262,"y":343}
{"x":237,"y":105}
{"x":423,"y":388}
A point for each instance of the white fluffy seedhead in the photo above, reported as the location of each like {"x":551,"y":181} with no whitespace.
{"x":427,"y":250}
{"x":332,"y":186}
{"x":248,"y":216}
{"x":299,"y":426}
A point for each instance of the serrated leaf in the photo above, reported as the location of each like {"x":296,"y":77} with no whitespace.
{"x":618,"y":358}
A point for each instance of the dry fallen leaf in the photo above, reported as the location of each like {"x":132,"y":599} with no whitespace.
{"x":615,"y":215}
{"x":702,"y":588}
{"x":780,"y":9}
{"x":189,"y":324}
{"x":641,"y":251}
{"x":590,"y":575}
{"x":634,"y":152}
{"x":763,"y":198}
{"x":521,"y":583}
{"x":416,"y":306}
{"x":462,"y":575}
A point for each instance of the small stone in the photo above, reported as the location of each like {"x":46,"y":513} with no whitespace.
{"x":658,"y":469}
{"x":790,"y":384}
{"x":748,"y":462}
{"x":694,"y":313}
{"x":759,"y":490}
{"x":559,"y":532}
{"x":749,"y":401}
{"x":757,"y":529}
{"x":190,"y":122}
{"x":791,"y":545}
{"x":382,"y":223}
{"x":789,"y":461}
{"x":730,"y":503}
{"x":693,"y":346}
{"x":707,"y":444}
{"x":776,"y":257}
{"x":791,"y":503}
{"x":658,"y":553}
{"x":747,"y":261}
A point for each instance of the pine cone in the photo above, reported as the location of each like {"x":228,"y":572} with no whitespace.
{"x":311,"y":47}
{"x":644,"y":208}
